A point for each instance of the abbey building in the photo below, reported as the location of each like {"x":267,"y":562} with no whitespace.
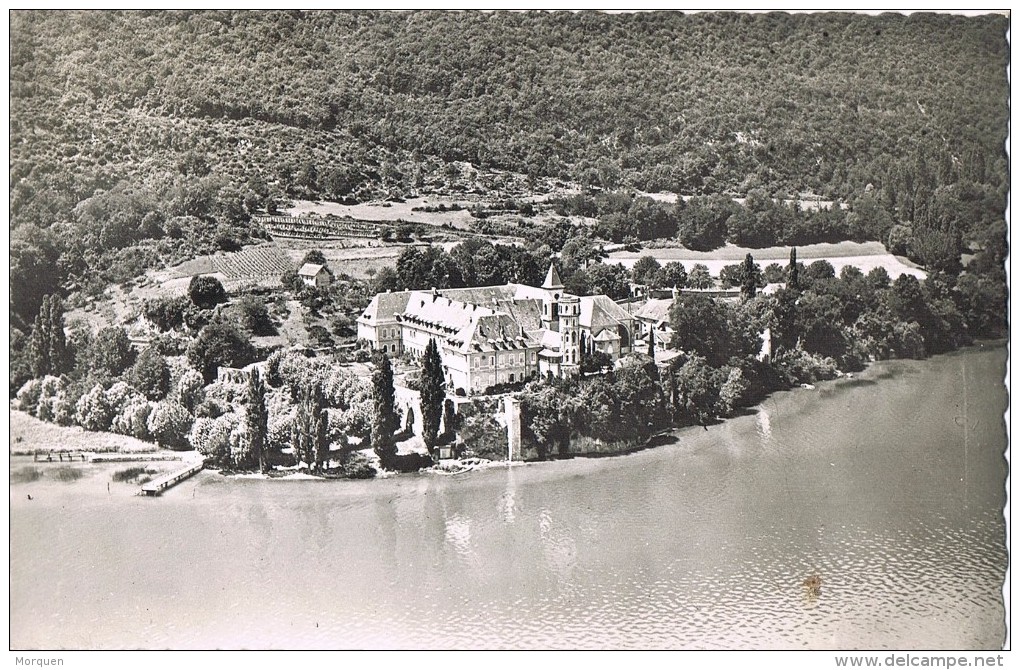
{"x":494,"y":335}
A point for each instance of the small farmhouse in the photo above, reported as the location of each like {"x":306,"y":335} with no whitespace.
{"x":314,"y":275}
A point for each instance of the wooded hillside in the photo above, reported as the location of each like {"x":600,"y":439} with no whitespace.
{"x":709,"y":102}
{"x":175,"y":126}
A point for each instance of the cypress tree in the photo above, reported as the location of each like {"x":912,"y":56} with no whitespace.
{"x":39,"y":353}
{"x":651,"y":343}
{"x":59,"y":359}
{"x":384,"y":419}
{"x":433,"y":393}
{"x":321,"y":432}
{"x":449,"y":417}
{"x":749,"y":278}
{"x":792,"y":271}
{"x":310,"y":432}
{"x":257,"y":419}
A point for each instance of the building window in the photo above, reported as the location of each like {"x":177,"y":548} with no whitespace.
{"x":492,"y":361}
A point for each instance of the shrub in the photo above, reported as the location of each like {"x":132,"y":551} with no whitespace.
{"x":206,"y":292}
{"x":356,"y":466}
{"x":93,"y":410}
{"x":190,"y":390}
{"x":28,"y":396}
{"x":50,"y":395}
{"x":133,"y":418}
{"x":802,"y":367}
{"x":169,"y":423}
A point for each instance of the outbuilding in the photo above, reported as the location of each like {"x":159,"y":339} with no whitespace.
{"x":314,"y":275}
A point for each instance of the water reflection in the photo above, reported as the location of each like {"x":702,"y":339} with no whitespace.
{"x":763,"y":421}
{"x":705,"y":543}
{"x":458,"y":535}
{"x":509,"y":498}
{"x":558,"y":547}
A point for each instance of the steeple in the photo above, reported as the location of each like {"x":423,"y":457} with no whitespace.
{"x":552,"y":280}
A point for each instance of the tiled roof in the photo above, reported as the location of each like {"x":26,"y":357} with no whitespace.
{"x":599,"y":311}
{"x":481,"y":295}
{"x":527,"y":313}
{"x":525,"y":292}
{"x":655,"y":310}
{"x":384,"y":307}
{"x":552,"y":279}
{"x":437,"y":312}
{"x":464,"y":326}
{"x":310,"y":270}
{"x":551,"y":339}
{"x":497,"y":332}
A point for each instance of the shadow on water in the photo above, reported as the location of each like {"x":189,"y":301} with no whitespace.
{"x":658,"y":440}
{"x":25,"y":475}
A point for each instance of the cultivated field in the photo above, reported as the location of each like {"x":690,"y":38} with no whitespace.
{"x":360,"y":262}
{"x":865,"y":256}
{"x":392,"y":211}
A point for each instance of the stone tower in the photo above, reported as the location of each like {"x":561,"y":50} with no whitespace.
{"x":550,"y":304}
{"x":570,"y":332}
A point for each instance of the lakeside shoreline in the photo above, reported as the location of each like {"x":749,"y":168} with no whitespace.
{"x":22,"y":425}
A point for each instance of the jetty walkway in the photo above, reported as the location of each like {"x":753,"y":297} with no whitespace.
{"x":157,"y":486}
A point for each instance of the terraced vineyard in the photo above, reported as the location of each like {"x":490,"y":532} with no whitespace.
{"x":264,"y":264}
{"x":306,"y":228}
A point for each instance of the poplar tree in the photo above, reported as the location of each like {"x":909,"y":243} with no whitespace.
{"x":257,"y":419}
{"x":48,"y":354}
{"x":791,"y":270}
{"x":60,"y":360}
{"x":433,"y":393}
{"x":384,"y":418}
{"x":310,"y":432}
{"x":749,"y":277}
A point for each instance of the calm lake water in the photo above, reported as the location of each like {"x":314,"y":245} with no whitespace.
{"x":889,"y":487}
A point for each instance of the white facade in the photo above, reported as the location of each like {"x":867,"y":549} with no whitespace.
{"x":494,"y":335}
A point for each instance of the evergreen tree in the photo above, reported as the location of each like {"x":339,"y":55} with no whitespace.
{"x":433,"y":393}
{"x":39,"y":342}
{"x":792,"y":271}
{"x":257,"y":419}
{"x":384,"y":418}
{"x":60,"y":360}
{"x":749,"y":277}
{"x":321,"y":437}
{"x":309,"y":433}
{"x":449,"y":417}
{"x":651,"y":344}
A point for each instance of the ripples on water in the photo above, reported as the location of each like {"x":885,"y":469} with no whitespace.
{"x":878,"y":490}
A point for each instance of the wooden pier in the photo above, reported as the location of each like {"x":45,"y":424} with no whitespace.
{"x":157,"y":486}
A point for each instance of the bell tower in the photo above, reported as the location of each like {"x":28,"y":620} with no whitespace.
{"x":550,"y":303}
{"x":570,"y":332}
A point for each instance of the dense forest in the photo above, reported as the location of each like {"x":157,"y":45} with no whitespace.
{"x":141,"y":138}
